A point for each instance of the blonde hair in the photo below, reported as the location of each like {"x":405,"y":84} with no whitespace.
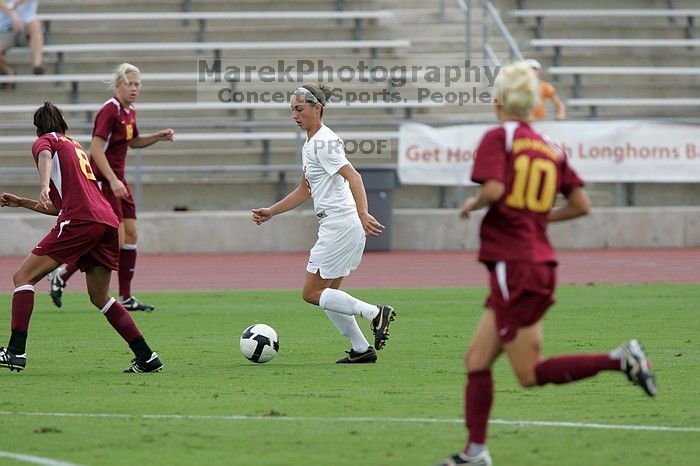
{"x":517,"y":89}
{"x":121,"y":72}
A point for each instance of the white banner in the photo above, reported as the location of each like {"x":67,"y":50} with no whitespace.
{"x":605,"y":151}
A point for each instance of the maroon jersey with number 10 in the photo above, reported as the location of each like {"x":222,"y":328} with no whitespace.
{"x":74,"y":191}
{"x":533,"y":170}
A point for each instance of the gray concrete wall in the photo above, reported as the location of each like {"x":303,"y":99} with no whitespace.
{"x":412,"y":229}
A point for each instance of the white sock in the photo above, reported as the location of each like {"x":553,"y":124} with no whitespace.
{"x":343,"y":303}
{"x":347,"y":326}
{"x":475,"y":448}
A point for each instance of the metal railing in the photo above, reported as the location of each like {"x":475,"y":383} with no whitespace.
{"x":490,"y":15}
{"x":465,"y":6}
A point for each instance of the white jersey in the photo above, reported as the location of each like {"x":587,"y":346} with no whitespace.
{"x":322,"y":156}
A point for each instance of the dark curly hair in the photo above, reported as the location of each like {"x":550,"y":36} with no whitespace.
{"x":48,"y":118}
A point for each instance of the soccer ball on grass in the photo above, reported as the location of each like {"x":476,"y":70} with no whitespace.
{"x":259,"y":343}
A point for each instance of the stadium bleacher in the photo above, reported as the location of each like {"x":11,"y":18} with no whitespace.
{"x":616,"y":80}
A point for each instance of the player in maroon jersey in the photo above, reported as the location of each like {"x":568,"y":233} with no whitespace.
{"x":85,"y":236}
{"x":520,"y":173}
{"x":113,"y":133}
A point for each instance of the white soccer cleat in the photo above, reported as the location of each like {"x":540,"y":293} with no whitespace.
{"x":482,"y":459}
{"x":634,"y":363}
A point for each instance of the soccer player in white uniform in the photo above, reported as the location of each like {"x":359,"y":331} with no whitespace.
{"x":340,"y":203}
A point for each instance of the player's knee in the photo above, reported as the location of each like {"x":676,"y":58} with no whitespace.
{"x":98,"y":299}
{"x":19,"y":278}
{"x":311,"y":296}
{"x":474,"y":362}
{"x":526,"y":379}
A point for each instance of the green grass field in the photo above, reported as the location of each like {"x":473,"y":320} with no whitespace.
{"x":73,"y":404}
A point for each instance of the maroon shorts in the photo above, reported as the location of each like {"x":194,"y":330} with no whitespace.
{"x":124,"y":208}
{"x":82,"y":244}
{"x":520,"y":295}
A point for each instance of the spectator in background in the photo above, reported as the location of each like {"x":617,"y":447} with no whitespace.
{"x":19,"y":26}
{"x":547,"y":92}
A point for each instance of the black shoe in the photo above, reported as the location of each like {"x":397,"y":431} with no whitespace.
{"x":57,"y":286}
{"x":14,"y":362}
{"x":153,"y":364}
{"x":380,"y":325}
{"x":482,"y":459}
{"x":354,"y":357}
{"x":636,"y":366}
{"x":132,"y":304}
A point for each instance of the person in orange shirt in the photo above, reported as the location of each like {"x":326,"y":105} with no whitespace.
{"x":547,"y":92}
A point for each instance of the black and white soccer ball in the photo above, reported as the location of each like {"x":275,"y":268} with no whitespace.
{"x":259,"y":343}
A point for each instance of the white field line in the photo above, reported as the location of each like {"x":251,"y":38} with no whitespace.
{"x":522,"y":423}
{"x":34,"y":459}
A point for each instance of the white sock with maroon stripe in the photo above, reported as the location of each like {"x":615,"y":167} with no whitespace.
{"x":341,"y":302}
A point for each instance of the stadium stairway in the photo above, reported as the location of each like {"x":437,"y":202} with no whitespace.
{"x":417,"y":21}
{"x":639,"y":86}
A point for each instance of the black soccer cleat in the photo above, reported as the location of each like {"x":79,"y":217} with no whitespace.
{"x":14,"y":362}
{"x":133,"y":304}
{"x":380,"y":325}
{"x":482,"y":459}
{"x":636,"y":366}
{"x":153,"y":364}
{"x":56,"y":287}
{"x":353,"y":357}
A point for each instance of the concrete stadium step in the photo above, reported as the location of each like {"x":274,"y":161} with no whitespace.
{"x":505,"y":5}
{"x":214,"y":34}
{"x":660,"y":29}
{"x":622,"y":56}
{"x":619,"y":86}
{"x":99,"y":6}
{"x":634,"y":112}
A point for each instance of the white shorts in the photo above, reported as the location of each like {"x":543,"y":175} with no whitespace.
{"x":339,"y":248}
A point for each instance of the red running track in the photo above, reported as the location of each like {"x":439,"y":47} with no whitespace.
{"x":385,"y":269}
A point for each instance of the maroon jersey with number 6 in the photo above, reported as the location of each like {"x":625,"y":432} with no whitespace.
{"x":73,"y":188}
{"x":533,"y":170}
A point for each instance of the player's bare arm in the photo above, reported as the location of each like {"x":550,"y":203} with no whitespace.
{"x":150,"y":139}
{"x":12,"y":200}
{"x":371,"y":226}
{"x":559,"y":108}
{"x":97,"y":154}
{"x":290,"y":201}
{"x":44,"y":164}
{"x":490,"y":192}
{"x":577,"y":204}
